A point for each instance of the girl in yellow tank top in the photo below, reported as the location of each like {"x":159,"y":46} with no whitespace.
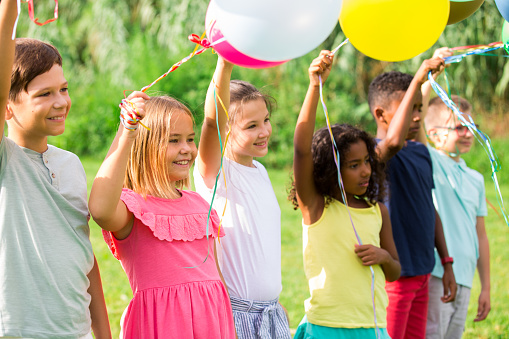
{"x":349,"y":251}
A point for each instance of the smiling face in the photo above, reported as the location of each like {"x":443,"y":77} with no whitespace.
{"x":356,"y":170}
{"x":181,"y":150}
{"x":40,"y":111}
{"x":250,"y":133}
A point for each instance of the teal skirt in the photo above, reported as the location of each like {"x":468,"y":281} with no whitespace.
{"x":307,"y":330}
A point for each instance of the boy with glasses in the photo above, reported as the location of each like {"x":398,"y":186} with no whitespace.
{"x":459,"y":198}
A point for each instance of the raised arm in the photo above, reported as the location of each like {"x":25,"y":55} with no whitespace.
{"x":104,"y":204}
{"x":310,"y":201}
{"x":426,"y":89}
{"x":394,"y":139}
{"x":8,"y":13}
{"x":209,"y":160}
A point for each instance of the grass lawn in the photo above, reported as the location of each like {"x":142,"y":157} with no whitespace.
{"x":118,"y":292}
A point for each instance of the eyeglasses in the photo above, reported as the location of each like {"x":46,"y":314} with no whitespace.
{"x":461,"y":130}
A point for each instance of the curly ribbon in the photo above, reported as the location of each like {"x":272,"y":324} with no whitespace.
{"x":36,"y":20}
{"x":199,"y":41}
{"x":342,"y":190}
{"x":129,"y":115}
{"x":482,"y":138}
{"x":473,"y":50}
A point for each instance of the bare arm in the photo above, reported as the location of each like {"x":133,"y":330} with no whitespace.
{"x":8,"y":13}
{"x":448,"y":278}
{"x":104,"y":204}
{"x":386,"y":255}
{"x":209,"y":160}
{"x":483,"y":267}
{"x":98,"y":312}
{"x":392,"y":141}
{"x":442,"y":52}
{"x":310,"y":201}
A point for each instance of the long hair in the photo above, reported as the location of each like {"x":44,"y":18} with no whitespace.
{"x":147,"y":170}
{"x":325,"y":172}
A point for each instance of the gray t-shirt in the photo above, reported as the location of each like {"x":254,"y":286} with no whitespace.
{"x":45,"y":251}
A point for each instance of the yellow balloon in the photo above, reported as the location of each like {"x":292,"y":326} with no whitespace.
{"x":393,"y":30}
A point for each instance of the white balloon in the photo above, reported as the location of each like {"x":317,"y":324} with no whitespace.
{"x":276,"y":30}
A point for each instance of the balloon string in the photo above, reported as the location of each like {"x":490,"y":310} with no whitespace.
{"x":199,"y":41}
{"x":342,"y":190}
{"x":472,"y":51}
{"x":36,"y":20}
{"x":16,"y":22}
{"x":483,"y":139}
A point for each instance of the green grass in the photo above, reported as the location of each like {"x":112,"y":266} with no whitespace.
{"x":118,"y":293}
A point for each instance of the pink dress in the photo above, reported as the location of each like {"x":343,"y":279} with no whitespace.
{"x":171,"y":297}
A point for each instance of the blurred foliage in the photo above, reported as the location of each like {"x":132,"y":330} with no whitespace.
{"x":110,"y":46}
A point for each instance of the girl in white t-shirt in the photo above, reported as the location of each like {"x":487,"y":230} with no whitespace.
{"x":250,"y":254}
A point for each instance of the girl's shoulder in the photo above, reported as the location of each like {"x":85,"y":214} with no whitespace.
{"x":173,"y":219}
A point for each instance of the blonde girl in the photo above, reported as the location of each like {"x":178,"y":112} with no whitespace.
{"x":158,"y":230}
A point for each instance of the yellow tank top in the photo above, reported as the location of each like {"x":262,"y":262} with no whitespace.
{"x":340,"y":286}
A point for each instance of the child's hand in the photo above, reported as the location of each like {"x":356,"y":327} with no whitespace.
{"x":434,"y":65}
{"x":372,"y":255}
{"x":320,"y":66}
{"x":443,"y":52}
{"x":222,"y":62}
{"x":138,"y":98}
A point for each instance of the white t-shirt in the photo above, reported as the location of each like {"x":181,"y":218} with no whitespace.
{"x":250,"y":253}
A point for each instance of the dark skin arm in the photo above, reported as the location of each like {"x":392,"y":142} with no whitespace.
{"x":393,"y":132}
{"x":448,"y":279}
{"x":311,"y":203}
{"x":385,"y":255}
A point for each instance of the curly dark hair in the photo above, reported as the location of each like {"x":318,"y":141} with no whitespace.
{"x":384,"y":86}
{"x":325,"y":173}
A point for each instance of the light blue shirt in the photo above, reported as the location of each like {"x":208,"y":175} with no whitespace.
{"x":459,"y":198}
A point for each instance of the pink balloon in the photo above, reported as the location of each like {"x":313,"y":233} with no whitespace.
{"x":228,"y":52}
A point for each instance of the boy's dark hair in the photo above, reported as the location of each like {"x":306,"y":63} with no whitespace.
{"x":383,"y":87}
{"x":32,"y":58}
{"x":242,"y":92}
{"x":325,"y":172}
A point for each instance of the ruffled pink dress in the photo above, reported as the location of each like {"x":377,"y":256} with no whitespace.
{"x":170,"y":299}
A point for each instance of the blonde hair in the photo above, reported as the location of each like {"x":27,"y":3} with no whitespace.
{"x":439,"y":114}
{"x":147,"y":170}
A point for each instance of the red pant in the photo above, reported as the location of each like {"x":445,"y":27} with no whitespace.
{"x":408,"y":307}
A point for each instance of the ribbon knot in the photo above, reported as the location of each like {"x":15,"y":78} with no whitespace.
{"x":197,"y":40}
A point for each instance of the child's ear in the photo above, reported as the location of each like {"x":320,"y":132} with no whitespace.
{"x":378,"y":112}
{"x":8,"y":112}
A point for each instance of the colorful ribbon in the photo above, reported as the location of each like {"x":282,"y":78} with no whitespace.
{"x":199,"y":41}
{"x":482,"y":138}
{"x":472,"y":50}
